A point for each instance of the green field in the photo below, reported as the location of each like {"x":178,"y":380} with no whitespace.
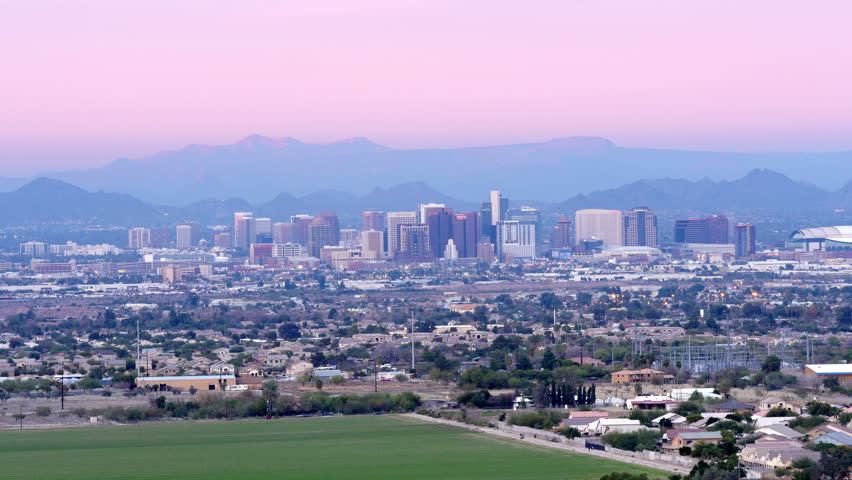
{"x":361,"y":447}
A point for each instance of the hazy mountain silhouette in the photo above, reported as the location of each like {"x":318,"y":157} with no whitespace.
{"x":53,"y":201}
{"x":259,"y":167}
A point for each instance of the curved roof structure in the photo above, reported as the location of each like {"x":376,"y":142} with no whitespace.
{"x":841,"y":233}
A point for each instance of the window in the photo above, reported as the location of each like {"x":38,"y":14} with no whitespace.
{"x":211,"y":387}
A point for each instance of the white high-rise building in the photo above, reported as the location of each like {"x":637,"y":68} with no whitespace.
{"x":451,"y":253}
{"x":138,"y":238}
{"x":516,"y":239}
{"x":497,"y":206}
{"x":395,"y":220}
{"x":598,"y":224}
{"x":183,"y":237}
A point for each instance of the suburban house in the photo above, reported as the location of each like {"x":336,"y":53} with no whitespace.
{"x":645,"y":375}
{"x":687,"y":439}
{"x":775,"y":454}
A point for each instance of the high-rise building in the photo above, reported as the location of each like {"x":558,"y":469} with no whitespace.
{"x":717,"y":228}
{"x":34,"y":249}
{"x":222,"y":240}
{"x":424,"y":209}
{"x":139,"y":238}
{"x":439,"y":219}
{"x":395,"y":220}
{"x":491,"y":212}
{"x":160,"y":238}
{"x":183,"y":237}
{"x":640,"y":227}
{"x":516,"y":239}
{"x":450,"y":252}
{"x":414,"y":241}
{"x":745,"y":239}
{"x":262,"y":230}
{"x":331,"y":219}
{"x":350,"y":237}
{"x":282,"y":232}
{"x":244,"y":231}
{"x":485,"y":219}
{"x":690,"y":230}
{"x":321,"y":233}
{"x":598,"y":224}
{"x":527,"y":214}
{"x":194,"y":232}
{"x":300,"y":228}
{"x":373,"y":241}
{"x":560,"y":237}
{"x":373,"y":220}
{"x":465,"y":234}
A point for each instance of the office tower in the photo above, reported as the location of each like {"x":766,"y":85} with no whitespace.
{"x":690,"y":230}
{"x":244,"y":232}
{"x":516,"y":239}
{"x":598,"y":224}
{"x":414,"y":241}
{"x":373,"y":220}
{"x":159,"y":238}
{"x":560,"y":237}
{"x":300,"y":228}
{"x":282,"y":232}
{"x":745,"y":239}
{"x":395,"y":220}
{"x":439,"y":219}
{"x":194,"y":232}
{"x":491,"y":212}
{"x":350,"y":237}
{"x":222,"y":240}
{"x":640,"y":227}
{"x":320,"y":234}
{"x":373,"y":241}
{"x":139,"y":238}
{"x":717,"y":228}
{"x":258,"y":252}
{"x":485,"y":252}
{"x":262,"y":230}
{"x":499,"y":206}
{"x":424,"y":209}
{"x":485,"y":219}
{"x":183,"y":237}
{"x":331,"y":219}
{"x":34,"y":249}
{"x":527,"y":214}
{"x":465,"y":233}
{"x":450,"y":252}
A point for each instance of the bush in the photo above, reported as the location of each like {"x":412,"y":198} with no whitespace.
{"x":542,"y":420}
{"x":569,"y":432}
{"x":633,"y":441}
{"x":803,"y":424}
{"x":43,"y":411}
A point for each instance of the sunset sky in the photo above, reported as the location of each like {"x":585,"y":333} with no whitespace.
{"x":86,"y":82}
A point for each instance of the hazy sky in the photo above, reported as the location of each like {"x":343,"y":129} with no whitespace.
{"x":85,"y":82}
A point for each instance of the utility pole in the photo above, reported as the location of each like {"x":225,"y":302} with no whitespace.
{"x":375,"y":375}
{"x":62,"y":391}
{"x":411,"y":332}
{"x":138,"y":348}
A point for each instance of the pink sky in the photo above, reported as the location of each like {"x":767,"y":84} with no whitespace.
{"x":85,"y":82}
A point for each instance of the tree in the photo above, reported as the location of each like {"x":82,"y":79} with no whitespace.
{"x":270,"y":393}
{"x":88,"y":383}
{"x":193,"y":390}
{"x":835,"y":463}
{"x":771,"y":364}
{"x":20,"y":416}
{"x":318,"y":384}
{"x":548,"y":360}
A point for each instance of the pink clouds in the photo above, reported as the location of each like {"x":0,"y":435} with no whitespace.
{"x":103,"y":79}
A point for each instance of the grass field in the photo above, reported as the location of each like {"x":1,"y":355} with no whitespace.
{"x":362,"y":447}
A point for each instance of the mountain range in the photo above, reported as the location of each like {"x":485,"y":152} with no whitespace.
{"x":759,"y":192}
{"x":258,"y":168}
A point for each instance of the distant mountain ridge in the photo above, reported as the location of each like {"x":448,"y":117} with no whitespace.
{"x":259,"y":167}
{"x":47,"y":200}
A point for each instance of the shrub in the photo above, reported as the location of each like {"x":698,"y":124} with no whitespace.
{"x":43,"y":411}
{"x":540,"y":419}
{"x":633,"y":441}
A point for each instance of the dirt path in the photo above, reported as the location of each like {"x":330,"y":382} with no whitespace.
{"x":568,"y":446}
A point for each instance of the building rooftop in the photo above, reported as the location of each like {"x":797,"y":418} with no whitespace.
{"x":831,"y":368}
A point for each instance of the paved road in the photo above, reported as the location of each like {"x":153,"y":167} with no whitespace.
{"x":569,"y":446}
